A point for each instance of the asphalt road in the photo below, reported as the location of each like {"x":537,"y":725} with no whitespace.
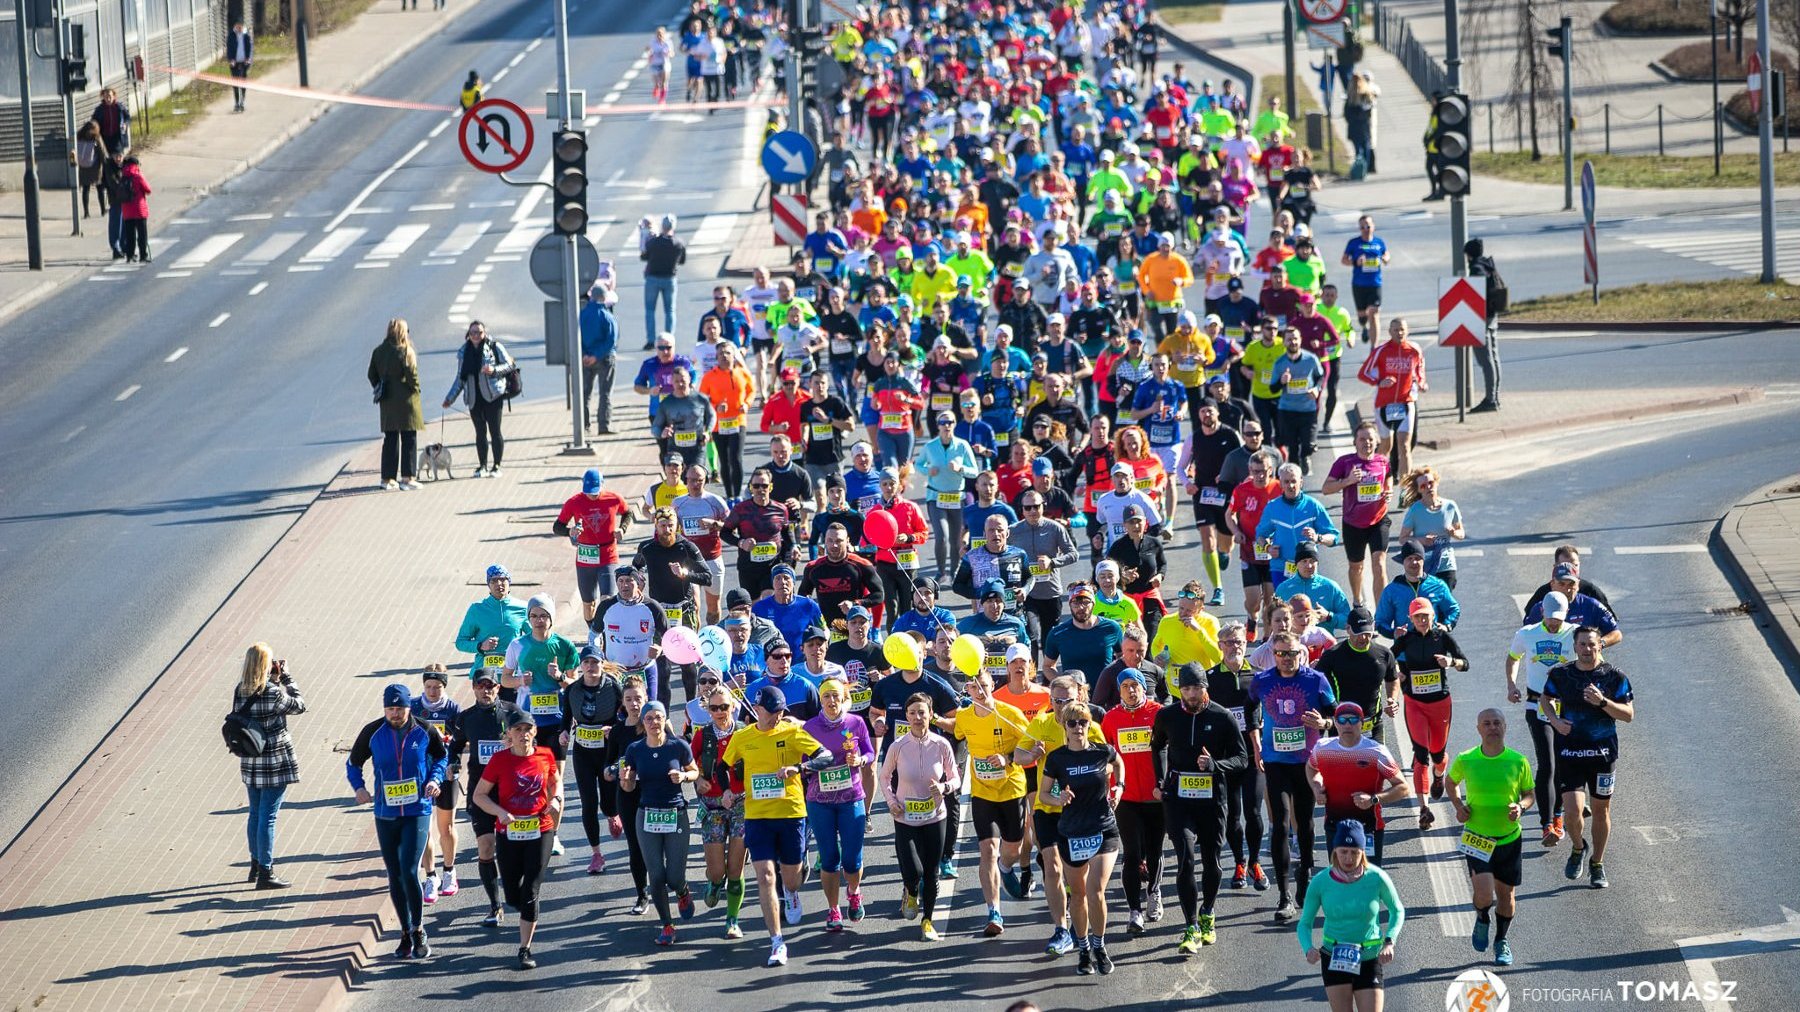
{"x":190,"y":410}
{"x":1688,"y":858}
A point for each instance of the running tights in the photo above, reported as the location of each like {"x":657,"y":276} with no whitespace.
{"x":920,"y":849}
{"x":666,"y":856}
{"x":1243,"y":816}
{"x":1287,"y":781}
{"x":522,"y":866}
{"x":628,"y":811}
{"x":1194,"y":823}
{"x":1548,"y":798}
{"x":1141,"y":832}
{"x":598,"y":797}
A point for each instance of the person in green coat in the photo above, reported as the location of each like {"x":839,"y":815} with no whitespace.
{"x":394,"y":375}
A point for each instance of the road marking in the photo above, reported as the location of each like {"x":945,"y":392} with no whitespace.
{"x":629,"y":75}
{"x":397,"y":242}
{"x":188,"y":221}
{"x":373,"y":184}
{"x":482,"y":205}
{"x":175,"y":274}
{"x":714,"y":230}
{"x":1702,"y":952}
{"x":332,"y":246}
{"x":257,"y":289}
{"x":614,"y":97}
{"x":105,"y":277}
{"x":304,"y":269}
{"x":373,"y":265}
{"x":177,"y":353}
{"x":440,"y":128}
{"x":504,"y":260}
{"x":265,"y":216}
{"x":1470,"y":553}
{"x":1660,"y":550}
{"x":239,"y":272}
{"x":269,"y":249}
{"x":430,"y":207}
{"x":219,"y":319}
{"x":1449,"y":882}
{"x":516,"y":60}
{"x":127,"y":392}
{"x":78,"y":430}
{"x":436,"y":263}
{"x":502,"y":74}
{"x":460,"y":239}
{"x":483,"y":268}
{"x":1539,"y":550}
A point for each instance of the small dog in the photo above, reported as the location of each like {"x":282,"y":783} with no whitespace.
{"x":435,"y":458}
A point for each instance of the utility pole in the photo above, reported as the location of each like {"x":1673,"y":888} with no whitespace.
{"x":571,"y":308}
{"x":1287,"y":51}
{"x":34,"y":244}
{"x":1765,"y":129}
{"x":1565,"y":47}
{"x":301,"y":28}
{"x":1459,"y":214}
{"x":1712,"y":20}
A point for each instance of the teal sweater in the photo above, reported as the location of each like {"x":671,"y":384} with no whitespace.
{"x":1352,"y":910}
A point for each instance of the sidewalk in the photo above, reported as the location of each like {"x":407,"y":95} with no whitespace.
{"x":1530,"y":412}
{"x":128,"y":891}
{"x":216,"y":146}
{"x":1761,"y":538}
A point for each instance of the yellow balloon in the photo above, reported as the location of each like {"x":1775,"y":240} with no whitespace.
{"x":902,"y":651}
{"x":965,"y":653}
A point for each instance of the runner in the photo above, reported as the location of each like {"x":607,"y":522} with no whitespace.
{"x":722,"y":825}
{"x":1353,"y":776}
{"x":438,"y":710}
{"x":490,"y":625}
{"x":991,"y":731}
{"x":1228,"y":684}
{"x":654,"y":767}
{"x":1584,"y":702}
{"x":763,"y":531}
{"x":410,"y":764}
{"x":1197,"y":749}
{"x":1362,"y":476}
{"x":1491,"y":793}
{"x":480,"y":730}
{"x":1545,"y":645}
{"x":593,"y":521}
{"x":628,"y":729}
{"x":541,"y":664}
{"x":1243,"y":515}
{"x":659,"y":53}
{"x":1356,"y":952}
{"x":1413,"y":584}
{"x":1364,"y":672}
{"x":1290,"y":520}
{"x":1427,"y":653}
{"x":1201,"y":465}
{"x":1049,"y":548}
{"x":919,"y":773}
{"x":1140,"y":813}
{"x":836,"y":800}
{"x":1294,"y":700}
{"x":1396,"y":369}
{"x":1433,"y":520}
{"x":700,"y":514}
{"x":1366,"y":255}
{"x":521,"y":787}
{"x":591,"y":707}
{"x":1089,"y":778}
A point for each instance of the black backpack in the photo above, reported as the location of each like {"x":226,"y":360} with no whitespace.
{"x":245,"y":736}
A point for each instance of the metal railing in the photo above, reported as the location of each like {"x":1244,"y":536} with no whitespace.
{"x":1394,"y":35}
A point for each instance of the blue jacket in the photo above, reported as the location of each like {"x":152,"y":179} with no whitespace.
{"x":599,"y":333}
{"x":1283,"y":521}
{"x":1396,"y":597}
{"x":926,"y":624}
{"x":792,"y":619}
{"x":1583,"y":610}
{"x":1324,"y":592}
{"x":503,"y":619}
{"x":413,"y":754}
{"x":933,"y":453}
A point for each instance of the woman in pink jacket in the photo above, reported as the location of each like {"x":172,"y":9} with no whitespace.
{"x":134,"y":211}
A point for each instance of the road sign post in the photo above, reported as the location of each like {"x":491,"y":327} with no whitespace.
{"x":789,"y":213}
{"x":1590,"y":261}
{"x":1462,"y":324}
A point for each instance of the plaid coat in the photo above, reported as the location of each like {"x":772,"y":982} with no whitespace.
{"x":276,"y":767}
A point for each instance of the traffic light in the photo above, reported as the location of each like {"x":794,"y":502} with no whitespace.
{"x":74,"y":65}
{"x":568,"y":175}
{"x":1450,"y":136}
{"x":1559,"y":39}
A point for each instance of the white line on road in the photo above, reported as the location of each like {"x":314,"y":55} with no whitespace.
{"x":440,"y":128}
{"x":304,"y":269}
{"x":430,"y":207}
{"x":1449,"y":882}
{"x":187,"y":221}
{"x":269,"y":249}
{"x":503,"y":259}
{"x":481,"y":205}
{"x":332,"y":246}
{"x":516,"y":60}
{"x":374,"y":183}
{"x":371,"y":265}
{"x":1469,"y":553}
{"x":251,"y":217}
{"x":177,"y":353}
{"x":397,"y":242}
{"x":1659,"y":550}
{"x":534,"y":44}
{"x":219,"y":319}
{"x":502,"y":74}
{"x":436,"y":263}
{"x":1544,"y":550}
{"x":175,"y":274}
{"x":239,"y":272}
{"x":259,"y":287}
{"x":78,"y":430}
{"x":460,"y":239}
{"x":127,"y":392}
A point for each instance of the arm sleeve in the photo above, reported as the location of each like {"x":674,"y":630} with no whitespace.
{"x":466,"y":640}
{"x":359,"y":756}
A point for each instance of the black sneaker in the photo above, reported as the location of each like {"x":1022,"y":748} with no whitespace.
{"x":1086,"y":965}
{"x":421,"y":947}
{"x":1102,"y":961}
{"x":493,"y":919}
{"x":526,"y":960}
{"x":1597,"y":875}
{"x":405,"y":949}
{"x":1484,"y":407}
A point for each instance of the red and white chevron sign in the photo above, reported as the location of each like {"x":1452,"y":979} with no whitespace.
{"x":1462,"y":313}
{"x":790,"y":218}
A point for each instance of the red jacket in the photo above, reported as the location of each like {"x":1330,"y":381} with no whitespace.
{"x":910,"y":521}
{"x":138,"y":207}
{"x":781,"y":416}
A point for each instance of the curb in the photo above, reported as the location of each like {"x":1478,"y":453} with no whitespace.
{"x":1782,"y":622}
{"x":1734,"y":398}
{"x":49,"y":286}
{"x":1650,"y":326}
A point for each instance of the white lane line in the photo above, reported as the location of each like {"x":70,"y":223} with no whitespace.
{"x":269,"y":249}
{"x":305,"y":269}
{"x":483,"y":268}
{"x":78,"y":430}
{"x":397,"y":242}
{"x":1449,"y":882}
{"x":482,"y":205}
{"x":219,"y":319}
{"x":440,"y":128}
{"x":502,"y":74}
{"x":1543,"y":550}
{"x":591,"y":121}
{"x":714,"y":230}
{"x":127,"y":392}
{"x":1469,"y":553}
{"x":105,"y":277}
{"x":371,"y":210}
{"x":259,"y":287}
{"x":265,"y":216}
{"x":332,"y":246}
{"x":534,"y":44}
{"x":436,"y":263}
{"x":371,"y":265}
{"x":187,"y":221}
{"x":611,"y":98}
{"x":175,"y":274}
{"x":430,"y":207}
{"x":239,"y":272}
{"x":1659,"y":550}
{"x":629,"y":75}
{"x":176,"y":354}
{"x":516,"y":60}
{"x":532,"y":196}
{"x":373,"y":184}
{"x":504,"y":260}
{"x":460,"y":239}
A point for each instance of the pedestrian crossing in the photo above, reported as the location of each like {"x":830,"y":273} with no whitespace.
{"x":1737,"y":250}
{"x":197,"y":248}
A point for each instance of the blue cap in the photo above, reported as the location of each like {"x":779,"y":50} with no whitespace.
{"x":856,"y":612}
{"x":1041,"y":465}
{"x":991,"y":588}
{"x":1132,"y":675}
{"x":590,"y":650}
{"x":498,"y":572}
{"x":1350,"y":834}
{"x":396,"y":694}
{"x":783,"y":569}
{"x":590,"y":482}
{"x":771,"y":699}
{"x":654,"y":706}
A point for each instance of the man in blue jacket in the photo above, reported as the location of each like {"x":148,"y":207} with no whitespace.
{"x":410,"y":762}
{"x":1413,"y":582}
{"x":1292,"y":519}
{"x":599,"y":357}
{"x":1321,"y":590}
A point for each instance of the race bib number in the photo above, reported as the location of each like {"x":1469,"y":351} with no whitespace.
{"x":836,"y":778}
{"x":976,"y":543}
{"x":661,"y":820}
{"x":493,"y":660}
{"x":1603,"y":785}
{"x":860,"y":696}
{"x":545,"y":704}
{"x":687,"y":438}
{"x":920,"y":810}
{"x":796,"y":364}
{"x":1298,"y":384}
{"x":988,"y":769}
{"x":1113,"y":229}
{"x":587,"y":555}
{"x":1194,"y":786}
{"x":529,"y":828}
{"x":1346,"y":957}
{"x":1371,"y":264}
{"x":994,"y":665}
{"x":405,"y":792}
{"x":1145,"y":482}
{"x":1114,"y":532}
{"x":1299,"y":190}
{"x":1133,"y":740}
{"x":767,"y":786}
{"x":692,"y":527}
{"x":440,"y":727}
{"x":1237,"y":714}
{"x":894,"y":421}
{"x":486,"y":750}
{"x":590,"y":737}
{"x":1428,"y":682}
{"x":908,"y":559}
{"x":1368,"y":491}
{"x":673,"y":613}
{"x":1083,"y":848}
{"x":949,"y":500}
{"x":763,"y":551}
{"x":1003,"y":439}
{"x":1263,"y":551}
{"x":820,"y":433}
{"x":1210,"y":496}
{"x":942,"y":402}
{"x":1288,"y":568}
{"x":1368,"y":726}
{"x":1481,"y":848}
{"x":1394,"y":414}
{"x":730,"y":425}
{"x":1013,"y":270}
{"x":1290,"y":739}
{"x":1189,"y":363}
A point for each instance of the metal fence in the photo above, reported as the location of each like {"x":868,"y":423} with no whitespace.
{"x":1393,"y":35}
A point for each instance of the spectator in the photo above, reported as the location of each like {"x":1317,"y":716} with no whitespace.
{"x":662,"y":254}
{"x":482,"y":365}
{"x":599,"y":356}
{"x":394,"y":373}
{"x":90,"y":161}
{"x":239,"y":50}
{"x":134,"y":211}
{"x":268,"y":695}
{"x":114,"y":121}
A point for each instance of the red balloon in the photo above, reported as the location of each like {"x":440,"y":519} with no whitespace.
{"x":881,"y":529}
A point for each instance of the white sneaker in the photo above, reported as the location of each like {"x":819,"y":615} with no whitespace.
{"x":410,"y":485}
{"x":389,"y":485}
{"x":556,"y":846}
{"x":447,"y":883}
{"x":494,"y":472}
{"x":431,"y":888}
{"x":791,"y":907}
{"x":778,"y":953}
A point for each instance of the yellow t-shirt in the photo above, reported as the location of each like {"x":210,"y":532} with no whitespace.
{"x":1047,"y":728}
{"x":1185,"y":644}
{"x":996,"y":733}
{"x":1189,"y":355}
{"x":768,"y":795}
{"x":1261,"y":358}
{"x":664,"y":493}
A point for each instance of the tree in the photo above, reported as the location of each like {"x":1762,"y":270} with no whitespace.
{"x":1512,"y":31}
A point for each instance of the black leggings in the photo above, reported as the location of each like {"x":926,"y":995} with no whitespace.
{"x":1194,"y":822}
{"x":1041,"y":616}
{"x":486,"y":415}
{"x":1243,"y":797}
{"x":522,"y":867}
{"x":713,"y":83}
{"x":399,"y":454}
{"x":1288,"y":780}
{"x":953,"y":804}
{"x":598,"y":797}
{"x":920,"y":849}
{"x":627,"y":804}
{"x":1141,"y":833}
{"x":896,"y":587}
{"x":1543,"y":772}
{"x":881,"y":129}
{"x":1331,"y":381}
{"x":730,"y":449}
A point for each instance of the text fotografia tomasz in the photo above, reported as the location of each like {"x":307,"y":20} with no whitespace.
{"x":1647,"y":991}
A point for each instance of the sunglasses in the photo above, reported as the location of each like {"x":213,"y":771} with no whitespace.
{"x":1032,"y":506}
{"x":1060,"y":700}
{"x":759,"y":488}
{"x":709,"y":681}
{"x":1349,"y":720}
{"x":1287,"y":653}
{"x":1225,"y":643}
{"x":720,"y":708}
{"x":1075,"y":723}
{"x":781,"y":657}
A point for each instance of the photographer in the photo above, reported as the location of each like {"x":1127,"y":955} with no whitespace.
{"x":266,"y":694}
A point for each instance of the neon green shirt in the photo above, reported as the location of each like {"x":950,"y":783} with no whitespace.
{"x":1490,"y":784}
{"x":1262,"y":358}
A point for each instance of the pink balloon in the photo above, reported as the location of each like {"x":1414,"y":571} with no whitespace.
{"x":881,"y":529}
{"x":682,"y":645}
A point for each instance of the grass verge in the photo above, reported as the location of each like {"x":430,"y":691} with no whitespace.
{"x":1341,"y":155}
{"x":1190,"y":12}
{"x":1642,"y":172}
{"x":1738,"y":300}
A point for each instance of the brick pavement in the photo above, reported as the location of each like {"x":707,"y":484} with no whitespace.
{"x":1761,"y":537}
{"x":127,"y":891}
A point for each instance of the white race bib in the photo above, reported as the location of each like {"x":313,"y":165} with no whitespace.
{"x":1290,"y":739}
{"x":661,"y":820}
{"x":949,"y":500}
{"x":529,"y":828}
{"x":687,"y":438}
{"x":988,"y":769}
{"x":1346,"y":957}
{"x":730,"y":425}
{"x":1083,"y":848}
{"x":919,"y":810}
{"x":1368,"y":491}
{"x":1194,"y":786}
{"x":1428,"y":682}
{"x":764,"y":551}
{"x":587,"y":555}
{"x":836,"y":778}
{"x":767,"y":787}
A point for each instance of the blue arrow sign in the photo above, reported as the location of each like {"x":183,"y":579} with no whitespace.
{"x":1587,"y":191}
{"x":789,"y":157}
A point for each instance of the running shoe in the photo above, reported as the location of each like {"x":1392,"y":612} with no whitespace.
{"x":1025,"y":881}
{"x":947,"y":868}
{"x":1503,"y":953}
{"x":614,"y":826}
{"x":1479,"y":937}
{"x":1258,"y":879}
{"x":556,"y":847}
{"x":790,"y":907}
{"x":927,"y":932}
{"x":431,"y":888}
{"x":597,"y":863}
{"x":685,"y":904}
{"x":995,"y":923}
{"x":1597,"y":876}
{"x":712,"y":893}
{"x":1209,"y":932}
{"x":447,"y":882}
{"x":777,"y":953}
{"x":1427,"y":818}
{"x":1190,"y":941}
{"x":1577,"y":854}
{"x":1551,"y":836}
{"x":1135,"y":924}
{"x":1557,"y":824}
{"x":1218,"y":597}
{"x":1009,"y":881}
{"x":1437,"y":787}
{"x":639,"y":905}
{"x":493,"y":919}
{"x":526,"y":960}
{"x":494,"y":472}
{"x":909,"y":905}
{"x":666,"y":936}
{"x":834,"y":921}
{"x":410,"y":485}
{"x":731,"y":928}
{"x":391,"y":485}
{"x":1286,"y":911}
{"x":405,"y":948}
{"x":1102,"y":961}
{"x":1060,"y":943}
{"x":1086,"y":965}
{"x":1238,"y":878}
{"x":1155,"y":915}
{"x":421,"y":945}
{"x":856,"y":908}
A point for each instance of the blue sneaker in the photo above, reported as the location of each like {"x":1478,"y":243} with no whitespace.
{"x":1503,"y":953}
{"x":1061,"y":943}
{"x":1218,"y":597}
{"x":1479,"y":939}
{"x":1009,"y":881}
{"x":947,"y":868}
{"x":995,"y":923}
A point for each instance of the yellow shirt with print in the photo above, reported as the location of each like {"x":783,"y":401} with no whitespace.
{"x":1186,"y":643}
{"x":997,"y":732}
{"x":763,"y":753}
{"x":664,"y":493}
{"x":1047,"y":727}
{"x":1261,"y":358}
{"x":1189,"y":352}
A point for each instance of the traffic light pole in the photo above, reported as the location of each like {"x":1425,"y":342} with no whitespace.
{"x":571,"y":299}
{"x":34,"y":245}
{"x":68,"y":104}
{"x":795,"y":104}
{"x":1765,"y":129}
{"x":1459,"y":214}
{"x":1568,"y":112}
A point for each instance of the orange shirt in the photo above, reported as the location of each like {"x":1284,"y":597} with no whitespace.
{"x":871,"y":218}
{"x":977,"y":215}
{"x":1162,"y":276}
{"x":730,"y":391}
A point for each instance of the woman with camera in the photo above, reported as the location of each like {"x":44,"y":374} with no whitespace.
{"x":267,"y":695}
